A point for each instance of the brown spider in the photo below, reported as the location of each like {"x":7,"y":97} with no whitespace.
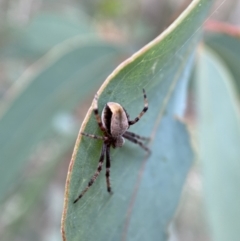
{"x":114,"y":124}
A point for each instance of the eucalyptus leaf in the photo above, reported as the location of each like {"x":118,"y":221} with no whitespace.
{"x":228,"y":48}
{"x":219,"y":139}
{"x":146,"y":190}
{"x":44,"y":32}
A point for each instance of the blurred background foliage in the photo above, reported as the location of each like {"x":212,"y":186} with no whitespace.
{"x":42,"y":41}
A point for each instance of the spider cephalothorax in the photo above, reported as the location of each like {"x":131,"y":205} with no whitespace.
{"x":114,"y":124}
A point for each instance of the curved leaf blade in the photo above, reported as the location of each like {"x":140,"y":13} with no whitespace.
{"x":44,"y":32}
{"x":228,"y":48}
{"x":219,"y":139}
{"x":161,"y":67}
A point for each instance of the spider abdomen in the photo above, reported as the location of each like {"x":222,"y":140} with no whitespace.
{"x":115,"y":119}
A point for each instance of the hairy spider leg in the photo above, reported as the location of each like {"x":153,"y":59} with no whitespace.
{"x":94,"y":136}
{"x":108,"y":165}
{"x":128,"y":133}
{"x":98,"y":118}
{"x":137,"y":142}
{"x":142,"y":112}
{"x":94,"y":177}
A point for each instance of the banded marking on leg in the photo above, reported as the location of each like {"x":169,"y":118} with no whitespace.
{"x":138,"y":142}
{"x":96,"y":113}
{"x":94,"y":177}
{"x":108,"y":166}
{"x":94,"y":136}
{"x":131,"y":122}
{"x":137,"y":136}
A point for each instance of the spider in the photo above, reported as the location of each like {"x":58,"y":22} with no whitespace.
{"x":114,"y":124}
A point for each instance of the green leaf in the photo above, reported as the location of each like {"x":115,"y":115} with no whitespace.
{"x":228,"y":48}
{"x":32,"y":193}
{"x":146,"y":190}
{"x":49,"y":89}
{"x":219,"y":139}
{"x":44,"y":32}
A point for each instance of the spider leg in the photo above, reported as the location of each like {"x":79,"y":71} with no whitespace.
{"x":135,"y":136}
{"x":96,"y":113}
{"x":131,"y":122}
{"x":94,"y":177}
{"x":137,"y":142}
{"x":94,"y":136}
{"x":108,"y":165}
